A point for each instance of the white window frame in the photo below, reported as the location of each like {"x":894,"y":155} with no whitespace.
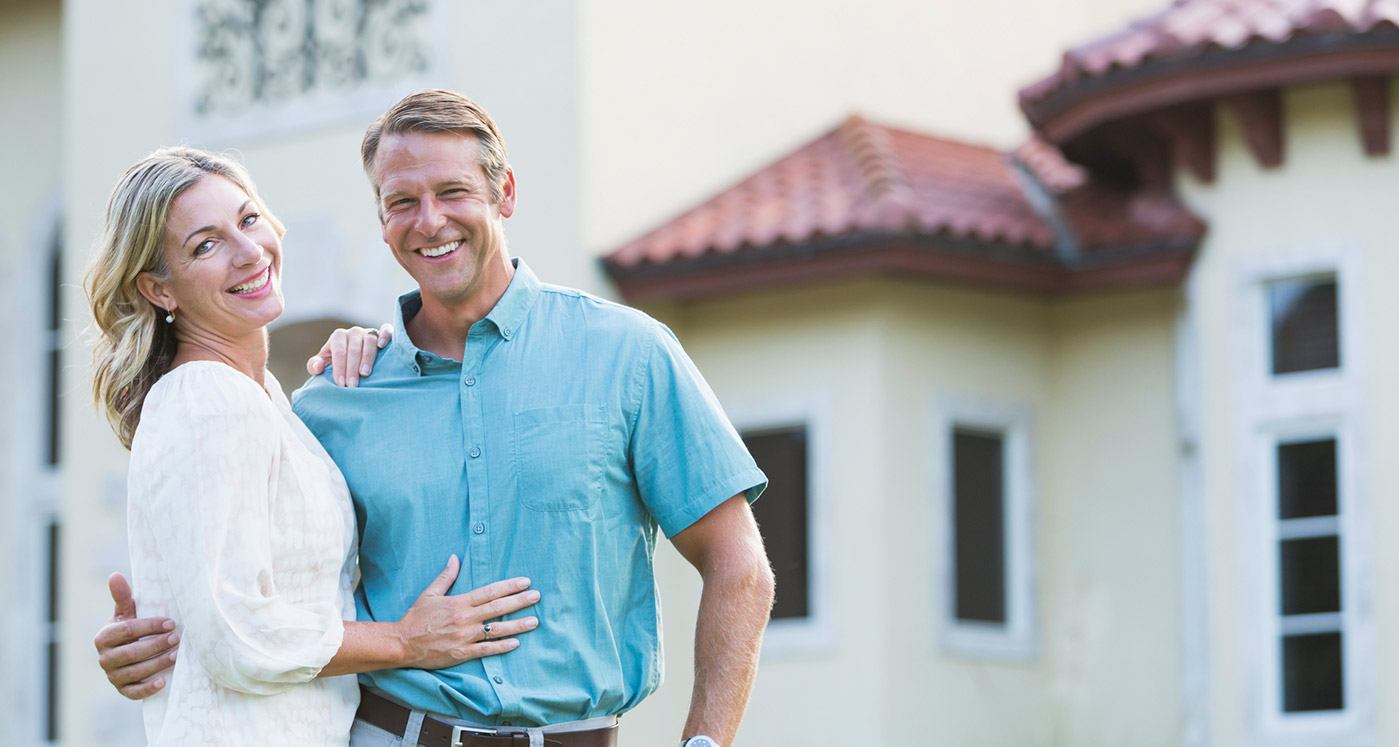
{"x":1017,"y":639}
{"x":1280,"y":408}
{"x":814,"y":634}
{"x":353,"y":107}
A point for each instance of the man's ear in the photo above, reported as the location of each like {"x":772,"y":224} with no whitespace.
{"x":507,"y":194}
{"x":155,"y":290}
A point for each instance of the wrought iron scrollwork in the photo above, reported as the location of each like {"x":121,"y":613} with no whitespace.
{"x":252,"y":52}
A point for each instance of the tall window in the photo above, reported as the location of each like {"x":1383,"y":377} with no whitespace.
{"x":48,"y":526}
{"x":1312,"y":634}
{"x":985,"y":506}
{"x":783,"y":515}
{"x":979,"y":530}
{"x":1309,"y":576}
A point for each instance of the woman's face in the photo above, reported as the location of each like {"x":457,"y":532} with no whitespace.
{"x":224,"y":260}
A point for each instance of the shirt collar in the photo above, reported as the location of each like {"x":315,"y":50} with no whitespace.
{"x":506,"y":318}
{"x":510,"y":311}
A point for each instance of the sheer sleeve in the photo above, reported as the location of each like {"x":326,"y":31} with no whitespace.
{"x":214,"y":459}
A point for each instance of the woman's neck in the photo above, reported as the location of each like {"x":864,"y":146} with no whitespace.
{"x":247,"y":355}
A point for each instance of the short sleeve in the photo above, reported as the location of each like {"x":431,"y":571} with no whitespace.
{"x":214,"y":459}
{"x":685,"y":453}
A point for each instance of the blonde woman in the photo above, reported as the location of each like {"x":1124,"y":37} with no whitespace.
{"x":240,"y":525}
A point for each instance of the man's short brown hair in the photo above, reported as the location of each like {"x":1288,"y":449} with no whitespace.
{"x":439,"y":110}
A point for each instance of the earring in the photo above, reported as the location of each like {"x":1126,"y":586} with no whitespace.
{"x":170,"y":316}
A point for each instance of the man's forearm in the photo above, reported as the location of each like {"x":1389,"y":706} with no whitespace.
{"x":734,"y":611}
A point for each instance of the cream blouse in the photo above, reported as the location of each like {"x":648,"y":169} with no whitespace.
{"x":241,"y":530}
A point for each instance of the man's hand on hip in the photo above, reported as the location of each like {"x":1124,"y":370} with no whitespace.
{"x":134,"y":652}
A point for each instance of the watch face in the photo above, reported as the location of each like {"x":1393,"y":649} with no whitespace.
{"x":700,"y":742}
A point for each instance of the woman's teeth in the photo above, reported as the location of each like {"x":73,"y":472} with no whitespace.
{"x":255,"y":285}
{"x":437,"y":251}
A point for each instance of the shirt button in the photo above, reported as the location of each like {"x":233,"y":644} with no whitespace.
{"x":507,"y":332}
{"x":471,"y":381}
{"x":480,"y":528}
{"x":499,"y":680}
{"x":475,"y":452}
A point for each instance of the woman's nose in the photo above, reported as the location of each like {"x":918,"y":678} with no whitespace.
{"x":248,"y":252}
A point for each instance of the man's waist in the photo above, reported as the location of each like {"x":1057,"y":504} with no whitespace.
{"x":521,"y":696}
{"x":440,"y":730}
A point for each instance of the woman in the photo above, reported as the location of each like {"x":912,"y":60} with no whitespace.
{"x":240,"y":525}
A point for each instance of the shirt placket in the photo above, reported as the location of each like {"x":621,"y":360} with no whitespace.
{"x":480,"y":340}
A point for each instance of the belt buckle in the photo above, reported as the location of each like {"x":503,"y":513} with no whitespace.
{"x":457,"y":731}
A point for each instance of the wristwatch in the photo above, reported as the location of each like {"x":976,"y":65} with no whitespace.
{"x":699,"y":741}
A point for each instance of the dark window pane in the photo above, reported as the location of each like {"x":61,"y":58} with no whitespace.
{"x":1307,"y":479}
{"x":1305,"y":330}
{"x":53,"y":571}
{"x":979,"y":519}
{"x":55,"y":357}
{"x":1311,"y":578}
{"x":1312,"y":673}
{"x":782,"y":515}
{"x":51,"y":663}
{"x":51,"y":691}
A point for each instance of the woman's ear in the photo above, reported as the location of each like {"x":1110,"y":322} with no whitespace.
{"x":155,"y":290}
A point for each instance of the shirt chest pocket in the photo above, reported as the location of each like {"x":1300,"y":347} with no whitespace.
{"x":558,"y":456}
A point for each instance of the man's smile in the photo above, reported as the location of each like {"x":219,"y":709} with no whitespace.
{"x":441,"y":250}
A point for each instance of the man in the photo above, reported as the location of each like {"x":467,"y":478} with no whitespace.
{"x":536,"y":431}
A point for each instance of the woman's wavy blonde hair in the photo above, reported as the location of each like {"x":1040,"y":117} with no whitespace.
{"x":135,"y":346}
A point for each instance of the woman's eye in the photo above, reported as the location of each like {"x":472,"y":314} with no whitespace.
{"x":250,"y":219}
{"x":204,"y":247}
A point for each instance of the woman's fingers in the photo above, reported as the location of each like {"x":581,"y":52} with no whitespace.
{"x":369,"y":349}
{"x":490,"y":592}
{"x":443,"y":582}
{"x":506,"y":628}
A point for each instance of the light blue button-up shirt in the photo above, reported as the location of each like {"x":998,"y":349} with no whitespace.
{"x":572,"y":430}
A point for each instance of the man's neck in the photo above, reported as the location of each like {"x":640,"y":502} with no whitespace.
{"x":441,"y":327}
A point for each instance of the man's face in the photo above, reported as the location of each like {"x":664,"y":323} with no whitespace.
{"x":438,"y":214}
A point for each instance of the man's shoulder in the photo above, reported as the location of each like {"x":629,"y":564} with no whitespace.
{"x":308,"y":400}
{"x":600,"y":315}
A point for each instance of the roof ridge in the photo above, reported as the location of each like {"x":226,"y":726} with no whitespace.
{"x":870,"y":147}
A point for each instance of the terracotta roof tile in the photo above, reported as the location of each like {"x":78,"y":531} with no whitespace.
{"x":861,"y":178}
{"x":866,"y":186}
{"x":1190,"y":28}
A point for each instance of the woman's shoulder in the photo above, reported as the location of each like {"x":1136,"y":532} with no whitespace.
{"x":198,"y":394}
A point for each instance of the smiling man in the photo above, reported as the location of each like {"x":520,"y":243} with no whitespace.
{"x":535,"y":431}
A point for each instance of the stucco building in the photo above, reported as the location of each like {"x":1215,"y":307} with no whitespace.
{"x":1075,"y":403}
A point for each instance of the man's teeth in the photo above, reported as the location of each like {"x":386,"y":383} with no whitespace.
{"x":255,"y":285}
{"x":437,"y":251}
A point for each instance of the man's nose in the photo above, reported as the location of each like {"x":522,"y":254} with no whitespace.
{"x":430,"y":217}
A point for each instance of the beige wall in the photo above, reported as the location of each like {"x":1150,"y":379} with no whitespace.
{"x":1327,"y":201}
{"x":878,"y":358}
{"x":620,"y":114}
